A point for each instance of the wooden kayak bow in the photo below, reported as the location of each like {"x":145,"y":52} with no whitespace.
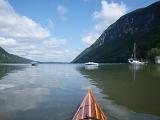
{"x":89,"y":109}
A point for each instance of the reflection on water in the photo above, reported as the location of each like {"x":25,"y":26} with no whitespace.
{"x":135,"y":87}
{"x":54,"y":91}
{"x":135,"y":68}
{"x":4,"y":69}
{"x":44,"y":92}
{"x":91,"y":67}
{"x":158,"y":67}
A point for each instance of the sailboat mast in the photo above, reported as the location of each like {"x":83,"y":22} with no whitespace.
{"x":134,"y":51}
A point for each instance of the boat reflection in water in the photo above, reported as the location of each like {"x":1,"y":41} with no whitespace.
{"x":130,"y":91}
{"x":91,"y":66}
{"x":158,"y":67}
{"x":135,"y":67}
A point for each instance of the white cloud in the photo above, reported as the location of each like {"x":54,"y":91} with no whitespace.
{"x":60,"y":55}
{"x":24,"y":50}
{"x":54,"y":43}
{"x":90,"y":38}
{"x":7,"y":41}
{"x":67,"y":51}
{"x":49,"y":50}
{"x":13,"y":24}
{"x":62,"y":11}
{"x":109,"y":13}
{"x":50,"y":23}
{"x":22,"y":36}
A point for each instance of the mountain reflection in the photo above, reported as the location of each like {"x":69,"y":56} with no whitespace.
{"x":135,"y":87}
{"x":4,"y":69}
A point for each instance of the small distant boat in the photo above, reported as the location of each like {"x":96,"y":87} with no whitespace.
{"x":134,"y":60}
{"x":92,"y":63}
{"x":89,"y":109}
{"x":34,"y":63}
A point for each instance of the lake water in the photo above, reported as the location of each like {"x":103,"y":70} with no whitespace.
{"x":55,"y":91}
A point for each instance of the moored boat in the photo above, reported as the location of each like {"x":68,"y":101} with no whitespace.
{"x":92,"y":63}
{"x":89,"y":109}
{"x":134,"y":60}
{"x":34,"y":63}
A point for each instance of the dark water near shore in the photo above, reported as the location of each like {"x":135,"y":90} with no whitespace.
{"x":54,"y":91}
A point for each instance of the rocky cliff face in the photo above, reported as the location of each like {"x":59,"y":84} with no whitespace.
{"x":116,"y":42}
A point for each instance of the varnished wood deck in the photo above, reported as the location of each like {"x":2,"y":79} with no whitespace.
{"x":89,"y":109}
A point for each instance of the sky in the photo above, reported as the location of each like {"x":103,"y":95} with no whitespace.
{"x":58,"y":30}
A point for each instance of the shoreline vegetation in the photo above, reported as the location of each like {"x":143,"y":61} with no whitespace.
{"x":7,"y":58}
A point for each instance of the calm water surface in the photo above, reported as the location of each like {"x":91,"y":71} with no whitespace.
{"x":55,"y":91}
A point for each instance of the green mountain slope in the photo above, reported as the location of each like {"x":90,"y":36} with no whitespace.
{"x":6,"y":57}
{"x":141,"y":26}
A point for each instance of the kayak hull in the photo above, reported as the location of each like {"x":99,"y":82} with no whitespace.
{"x":89,"y":109}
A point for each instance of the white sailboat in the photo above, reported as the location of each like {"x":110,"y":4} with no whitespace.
{"x":92,"y":63}
{"x":134,"y":60}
